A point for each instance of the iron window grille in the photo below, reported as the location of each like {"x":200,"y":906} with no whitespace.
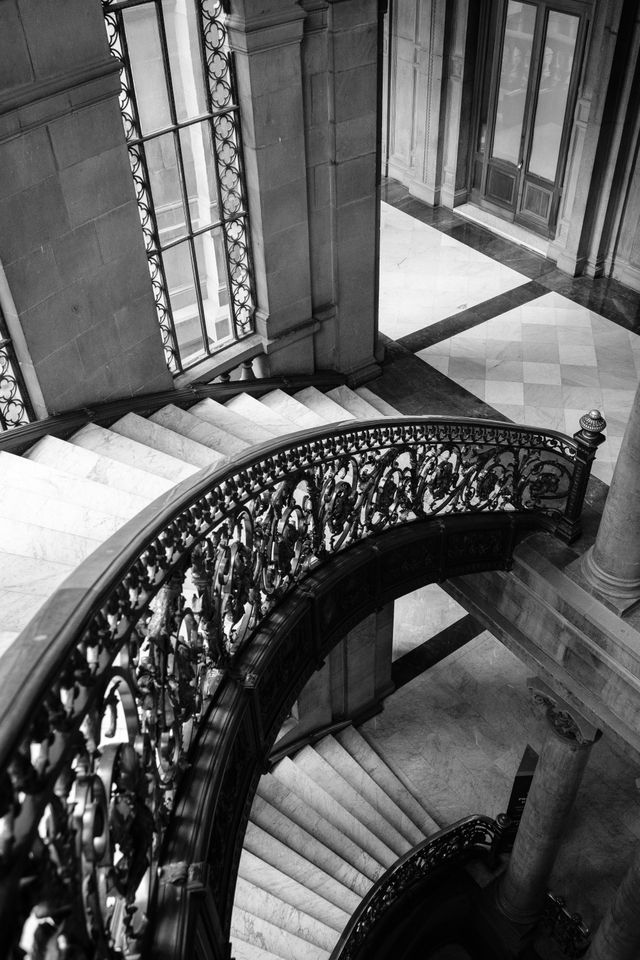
{"x":181,"y":123}
{"x":15,"y":405}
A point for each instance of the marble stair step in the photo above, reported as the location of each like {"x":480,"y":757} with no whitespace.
{"x":250,"y":951}
{"x":353,"y":402}
{"x":42,"y":543}
{"x":318,"y":768}
{"x":299,"y":415}
{"x":315,"y":794}
{"x":390,"y":780}
{"x":323,"y":405}
{"x":251,"y":408}
{"x":298,"y":866}
{"x":48,"y":511}
{"x":202,"y":431}
{"x":299,"y":895}
{"x":381,"y":405}
{"x":143,"y":438}
{"x":365,"y":786}
{"x":279,"y":795}
{"x":268,"y":936}
{"x":22,"y":574}
{"x":278,"y":825}
{"x":227,"y":419}
{"x":18,"y":606}
{"x":160,"y":447}
{"x":86,"y":464}
{"x":50,"y":483}
{"x":265,"y":905}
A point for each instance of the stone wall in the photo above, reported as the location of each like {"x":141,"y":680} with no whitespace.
{"x":71,"y":243}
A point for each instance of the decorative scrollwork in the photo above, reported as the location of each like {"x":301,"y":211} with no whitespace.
{"x":567,"y":929}
{"x":87,"y":789}
{"x":465,"y":839}
{"x":15,"y":408}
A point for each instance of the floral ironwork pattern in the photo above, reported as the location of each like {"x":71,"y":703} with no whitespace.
{"x":15,"y":408}
{"x":89,"y":774}
{"x":223,"y":117}
{"x":463,"y":840}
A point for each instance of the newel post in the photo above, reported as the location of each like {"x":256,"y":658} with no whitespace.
{"x":588,"y":439}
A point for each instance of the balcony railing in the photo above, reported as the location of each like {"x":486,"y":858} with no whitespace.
{"x":104,"y":694}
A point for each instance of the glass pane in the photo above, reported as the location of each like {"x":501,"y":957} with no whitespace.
{"x":551,"y":106}
{"x":184,"y":303}
{"x":183,"y":42}
{"x":164,"y":181}
{"x":213,"y":285}
{"x":147,"y":68}
{"x":514,"y":76}
{"x":199,"y":174}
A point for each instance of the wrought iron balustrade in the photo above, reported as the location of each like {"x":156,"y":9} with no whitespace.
{"x":469,"y":838}
{"x":15,"y":406}
{"x":97,"y":722}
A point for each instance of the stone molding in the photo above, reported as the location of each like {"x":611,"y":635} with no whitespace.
{"x":268,"y":31}
{"x":565,"y":720}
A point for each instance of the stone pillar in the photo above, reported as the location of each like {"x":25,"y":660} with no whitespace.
{"x":612,"y":565}
{"x":618,"y":936}
{"x":457,"y":108}
{"x":521,"y":892}
{"x":266,"y":39}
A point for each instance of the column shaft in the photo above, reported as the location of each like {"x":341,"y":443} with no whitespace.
{"x":618,"y":936}
{"x":555,"y":783}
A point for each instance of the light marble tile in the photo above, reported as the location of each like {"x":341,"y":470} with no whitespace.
{"x":500,"y":392}
{"x":538,"y":372}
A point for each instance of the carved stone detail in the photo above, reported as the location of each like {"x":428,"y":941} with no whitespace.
{"x":565,"y":720}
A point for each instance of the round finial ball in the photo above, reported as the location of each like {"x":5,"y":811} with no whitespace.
{"x":593,"y":422}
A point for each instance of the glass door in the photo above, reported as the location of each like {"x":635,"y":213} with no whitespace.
{"x":524,"y":135}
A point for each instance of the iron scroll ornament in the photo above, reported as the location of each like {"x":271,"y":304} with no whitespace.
{"x":95,"y":742}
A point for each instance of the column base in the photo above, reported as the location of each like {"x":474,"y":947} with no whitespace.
{"x":619,"y":594}
{"x":509,"y":939}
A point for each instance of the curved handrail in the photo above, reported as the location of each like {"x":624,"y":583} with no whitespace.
{"x":454,"y":845}
{"x":130,"y":649}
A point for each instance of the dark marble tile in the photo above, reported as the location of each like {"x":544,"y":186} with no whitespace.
{"x":430,"y":652}
{"x":466,"y":319}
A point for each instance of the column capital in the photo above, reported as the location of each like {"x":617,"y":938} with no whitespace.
{"x":567,"y":722}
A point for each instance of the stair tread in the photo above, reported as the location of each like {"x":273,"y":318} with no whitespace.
{"x":386,"y":777}
{"x":241,"y":950}
{"x":260,"y":413}
{"x":159,"y":453}
{"x":386,"y":409}
{"x":362,"y":782}
{"x":326,"y":407}
{"x":234,"y":423}
{"x":53,"y":483}
{"x":320,"y":770}
{"x":88,"y":464}
{"x":279,"y":795}
{"x":278,"y":825}
{"x":266,"y":905}
{"x":41,"y":543}
{"x":202,"y":431}
{"x":299,"y":867}
{"x":54,"y":514}
{"x":352,"y":401}
{"x":268,"y":936}
{"x":137,"y":440}
{"x":293,"y":410}
{"x":263,"y":874}
{"x":317,"y":797}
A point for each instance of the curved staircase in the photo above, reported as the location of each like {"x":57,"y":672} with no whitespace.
{"x":324,"y":827}
{"x":63,"y":498}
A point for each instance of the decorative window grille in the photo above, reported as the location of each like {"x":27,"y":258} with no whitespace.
{"x":15,"y":406}
{"x":181,"y":123}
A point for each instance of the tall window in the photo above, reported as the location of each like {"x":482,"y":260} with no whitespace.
{"x":182,"y":127}
{"x":15,"y":408}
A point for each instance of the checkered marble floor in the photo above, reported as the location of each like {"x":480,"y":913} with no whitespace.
{"x":545,"y":364}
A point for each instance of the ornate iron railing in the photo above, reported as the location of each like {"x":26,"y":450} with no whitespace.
{"x":97,"y":723}
{"x":472,"y":837}
{"x":15,"y":406}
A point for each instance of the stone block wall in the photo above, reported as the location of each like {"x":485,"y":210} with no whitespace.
{"x":71,"y":244}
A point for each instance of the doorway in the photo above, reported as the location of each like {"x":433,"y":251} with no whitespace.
{"x":528,"y":83}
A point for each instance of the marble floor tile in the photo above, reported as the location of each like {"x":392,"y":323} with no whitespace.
{"x":540,"y":372}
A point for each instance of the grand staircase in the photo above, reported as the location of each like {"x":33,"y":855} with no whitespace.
{"x":63,"y":498}
{"x":323,"y":827}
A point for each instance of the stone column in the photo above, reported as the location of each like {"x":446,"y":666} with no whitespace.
{"x":612,"y":565}
{"x":618,"y":936}
{"x":457,"y":108}
{"x":266,"y":39}
{"x":521,"y":892}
